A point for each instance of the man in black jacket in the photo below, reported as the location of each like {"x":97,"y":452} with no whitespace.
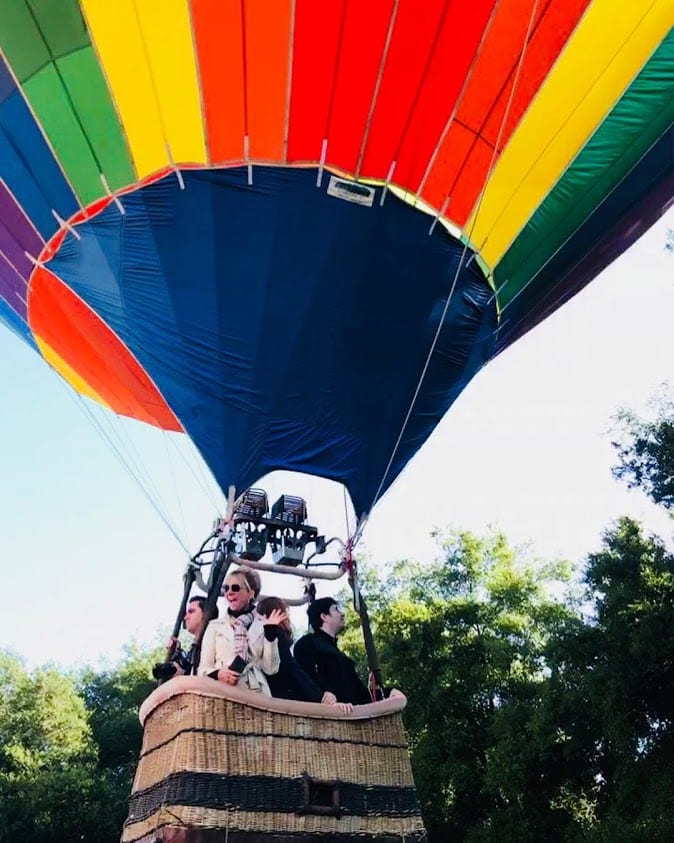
{"x":318,"y":654}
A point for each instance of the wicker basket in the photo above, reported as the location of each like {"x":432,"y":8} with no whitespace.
{"x":223,"y":764}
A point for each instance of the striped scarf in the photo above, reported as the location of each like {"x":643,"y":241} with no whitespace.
{"x":240,"y":624}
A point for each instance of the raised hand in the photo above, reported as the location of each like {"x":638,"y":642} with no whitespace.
{"x":275,"y":618}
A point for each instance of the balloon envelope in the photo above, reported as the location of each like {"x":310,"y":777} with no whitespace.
{"x":296,"y":230}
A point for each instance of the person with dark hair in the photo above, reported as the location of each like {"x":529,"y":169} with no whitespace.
{"x":291,"y":682}
{"x":178,"y":660}
{"x":194,"y":614}
{"x":318,"y":655}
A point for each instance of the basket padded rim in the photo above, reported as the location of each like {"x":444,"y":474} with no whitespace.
{"x":203,"y":686}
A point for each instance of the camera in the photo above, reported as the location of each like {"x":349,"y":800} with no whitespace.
{"x":163,"y":671}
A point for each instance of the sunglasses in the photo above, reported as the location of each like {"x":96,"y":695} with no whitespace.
{"x":234,"y":587}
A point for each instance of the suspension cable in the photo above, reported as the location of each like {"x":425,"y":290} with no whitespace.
{"x":460,"y":265}
{"x":107,"y":439}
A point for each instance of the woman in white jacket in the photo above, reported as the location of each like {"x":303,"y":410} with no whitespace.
{"x":235,"y":649}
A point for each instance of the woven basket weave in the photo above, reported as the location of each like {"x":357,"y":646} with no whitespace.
{"x":219,"y":763}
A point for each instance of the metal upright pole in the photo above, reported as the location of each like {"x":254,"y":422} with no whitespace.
{"x":368,"y":639}
{"x":219,"y":569}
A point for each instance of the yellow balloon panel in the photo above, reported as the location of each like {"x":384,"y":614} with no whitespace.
{"x":68,"y":373}
{"x":611,"y":44}
{"x":147,"y":55}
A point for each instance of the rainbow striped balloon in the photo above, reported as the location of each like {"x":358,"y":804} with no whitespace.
{"x":296,"y":229}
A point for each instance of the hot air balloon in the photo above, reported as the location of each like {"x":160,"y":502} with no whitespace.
{"x":296,"y":230}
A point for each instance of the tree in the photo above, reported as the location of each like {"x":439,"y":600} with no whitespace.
{"x":112,"y":699}
{"x":49,"y":783}
{"x":42,"y":719}
{"x":613,"y":679}
{"x":68,"y":749}
{"x":645,"y":450}
{"x":464,"y":638}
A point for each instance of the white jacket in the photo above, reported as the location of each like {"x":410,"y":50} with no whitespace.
{"x":217,"y":652}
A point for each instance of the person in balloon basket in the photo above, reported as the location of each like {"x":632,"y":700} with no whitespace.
{"x":291,"y":682}
{"x":235,"y":649}
{"x":253,"y":580}
{"x":178,"y":662}
{"x":319,"y":656}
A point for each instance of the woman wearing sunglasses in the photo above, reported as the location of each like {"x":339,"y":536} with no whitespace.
{"x":235,"y":649}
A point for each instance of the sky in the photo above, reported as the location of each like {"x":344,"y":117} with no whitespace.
{"x":89,"y":566}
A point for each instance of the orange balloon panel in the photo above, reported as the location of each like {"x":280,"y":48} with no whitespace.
{"x":79,"y":338}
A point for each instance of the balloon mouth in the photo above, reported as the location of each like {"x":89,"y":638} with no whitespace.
{"x":271,"y":321}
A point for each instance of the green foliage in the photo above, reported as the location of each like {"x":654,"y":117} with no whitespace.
{"x":68,"y":749}
{"x":42,"y":719}
{"x":112,"y":698}
{"x":49,"y":783}
{"x":534,"y":714}
{"x":613,"y":678}
{"x":465,"y":638}
{"x":645,"y":450}
{"x":67,"y":803}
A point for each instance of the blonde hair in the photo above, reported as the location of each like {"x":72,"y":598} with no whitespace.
{"x":240,"y":574}
{"x":252,"y":578}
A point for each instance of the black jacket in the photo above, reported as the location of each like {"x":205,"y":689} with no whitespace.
{"x":331,"y":669}
{"x":291,"y":682}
